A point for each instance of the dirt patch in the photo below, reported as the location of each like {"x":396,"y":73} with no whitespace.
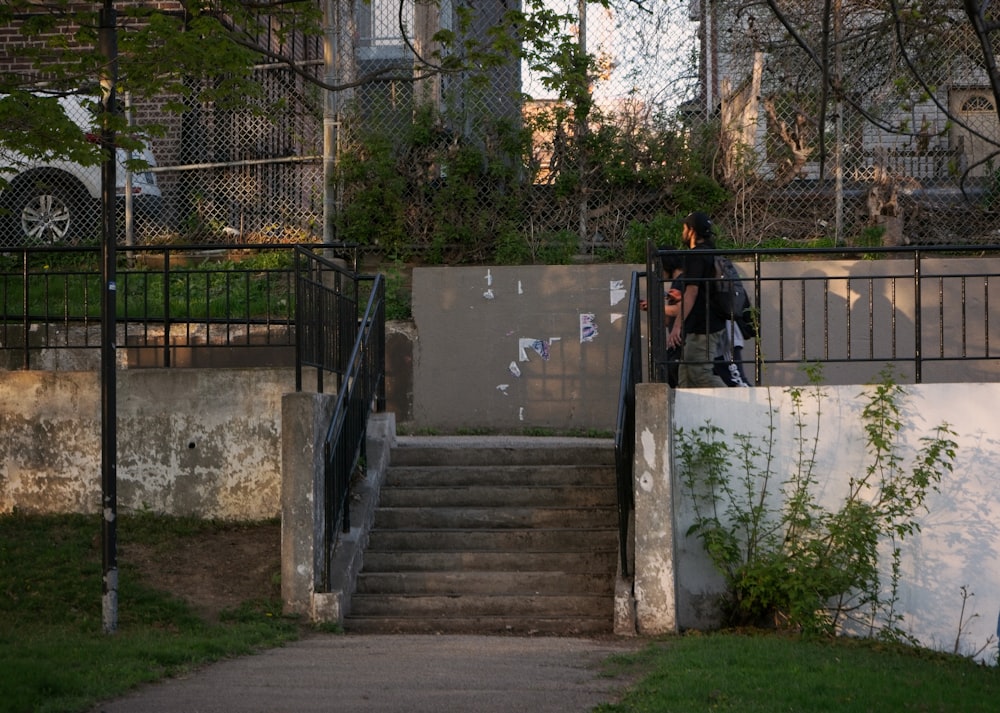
{"x":213,"y":570}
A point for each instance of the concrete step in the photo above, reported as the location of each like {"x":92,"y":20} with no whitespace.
{"x":591,"y":561}
{"x":510,"y":536}
{"x":464,"y":582}
{"x":479,"y":605}
{"x":501,"y":451}
{"x":480,"y":495}
{"x":569,"y":539}
{"x":513,"y":624}
{"x":499,"y":475}
{"x":492,"y":517}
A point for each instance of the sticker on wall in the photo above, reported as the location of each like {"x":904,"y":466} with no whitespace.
{"x":617,"y":291}
{"x":520,"y":288}
{"x":588,"y":327}
{"x":502,"y":388}
{"x":489,"y":285}
{"x":514,"y":369}
{"x":539,"y":346}
{"x":615,"y":316}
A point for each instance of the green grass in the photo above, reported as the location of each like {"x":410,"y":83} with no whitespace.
{"x":767,"y":673}
{"x":69,"y":287}
{"x":54,"y":654}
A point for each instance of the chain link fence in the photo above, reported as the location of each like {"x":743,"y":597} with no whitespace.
{"x":615,"y":117}
{"x":48,"y":200}
{"x":904,"y":153}
{"x":252,"y":173}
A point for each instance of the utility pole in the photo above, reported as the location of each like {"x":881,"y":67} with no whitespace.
{"x":339,"y":29}
{"x":109,"y":448}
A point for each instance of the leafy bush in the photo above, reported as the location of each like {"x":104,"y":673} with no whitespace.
{"x":511,"y":193}
{"x":663,"y":230}
{"x":787,"y":561}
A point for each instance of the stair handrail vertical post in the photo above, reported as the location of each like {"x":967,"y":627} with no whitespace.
{"x":25,"y":307}
{"x":917,"y":325}
{"x":631,"y":374}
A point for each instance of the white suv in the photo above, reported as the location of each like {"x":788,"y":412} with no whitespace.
{"x":56,"y":201}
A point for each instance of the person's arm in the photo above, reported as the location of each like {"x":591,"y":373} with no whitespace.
{"x":688,"y":297}
{"x":672,"y":303}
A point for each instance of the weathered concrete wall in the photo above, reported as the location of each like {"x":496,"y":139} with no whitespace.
{"x":509,"y":348}
{"x":959,"y":542}
{"x":303,"y":519}
{"x":202,"y":442}
{"x":502,"y":348}
{"x":305,"y":418}
{"x":654,"y":576}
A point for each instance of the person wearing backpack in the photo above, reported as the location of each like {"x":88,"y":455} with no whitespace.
{"x":698,"y":330}
{"x":729,"y":361}
{"x":671,"y":306}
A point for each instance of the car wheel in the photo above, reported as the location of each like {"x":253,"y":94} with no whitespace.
{"x":50,"y":212}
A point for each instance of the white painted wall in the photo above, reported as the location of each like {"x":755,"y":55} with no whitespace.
{"x":959,"y":544}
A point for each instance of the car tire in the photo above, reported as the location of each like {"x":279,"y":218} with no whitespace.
{"x":51,"y":210}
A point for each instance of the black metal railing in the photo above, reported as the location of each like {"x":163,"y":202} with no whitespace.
{"x":177,"y":305}
{"x":925,"y":310}
{"x":920,"y":306}
{"x":631,"y":374}
{"x":362,"y":390}
{"x":328,"y":296}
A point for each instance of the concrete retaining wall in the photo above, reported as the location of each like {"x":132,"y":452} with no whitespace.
{"x":509,"y":348}
{"x":514,"y":348}
{"x":201,"y":442}
{"x":676,"y":586}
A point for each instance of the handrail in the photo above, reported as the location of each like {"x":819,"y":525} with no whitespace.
{"x":202,"y":299}
{"x":631,"y":374}
{"x":327,"y":299}
{"x":908,"y":312}
{"x":332,"y":337}
{"x":362,"y":389}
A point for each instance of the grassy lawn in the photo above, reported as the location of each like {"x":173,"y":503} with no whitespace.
{"x":55,"y":657}
{"x":758,"y":672}
{"x":68,"y":286}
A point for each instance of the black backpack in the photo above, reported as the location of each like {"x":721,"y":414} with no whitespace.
{"x":729,"y":299}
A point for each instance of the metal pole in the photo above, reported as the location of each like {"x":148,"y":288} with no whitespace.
{"x":129,"y":212}
{"x":581,"y":131}
{"x":838,"y":168}
{"x":109,"y":455}
{"x":339,"y":57}
{"x":331,"y":110}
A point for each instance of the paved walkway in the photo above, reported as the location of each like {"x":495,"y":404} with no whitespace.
{"x":396,"y":674}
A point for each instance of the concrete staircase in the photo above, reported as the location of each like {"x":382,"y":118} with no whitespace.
{"x":507,"y":537}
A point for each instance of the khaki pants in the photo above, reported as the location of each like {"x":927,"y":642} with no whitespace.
{"x":697,"y":363}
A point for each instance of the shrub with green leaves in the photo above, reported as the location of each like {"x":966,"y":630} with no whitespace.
{"x":788,"y":561}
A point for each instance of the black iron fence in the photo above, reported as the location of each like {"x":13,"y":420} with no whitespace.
{"x":327,"y":306}
{"x":177,"y":305}
{"x":334,"y":336}
{"x":361,"y":391}
{"x":631,"y":374}
{"x":234,"y":306}
{"x":929,"y":312}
